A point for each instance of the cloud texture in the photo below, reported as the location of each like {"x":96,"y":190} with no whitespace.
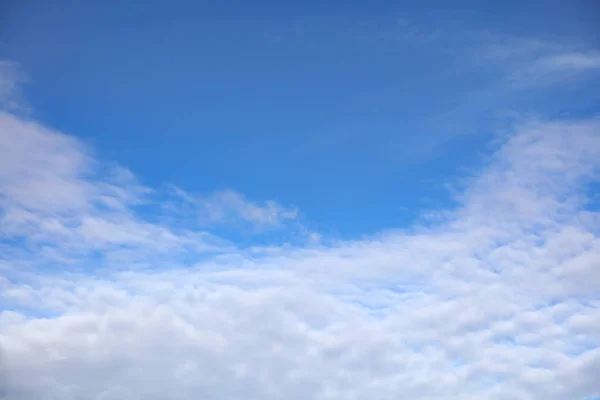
{"x":101,"y":299}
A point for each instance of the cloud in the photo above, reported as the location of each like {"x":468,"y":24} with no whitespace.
{"x":528,"y":63}
{"x":11,"y":79}
{"x":497,"y":300}
{"x":514,"y":62}
{"x":555,"y":68}
{"x":577,"y":61}
{"x":59,"y":205}
{"x":229,"y":206}
{"x":52,"y":189}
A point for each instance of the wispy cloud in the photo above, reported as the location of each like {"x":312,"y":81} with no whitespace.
{"x":531,"y":62}
{"x":498,"y":300}
{"x":576,"y":61}
{"x":555,"y":68}
{"x":11,"y":79}
{"x":230,"y":207}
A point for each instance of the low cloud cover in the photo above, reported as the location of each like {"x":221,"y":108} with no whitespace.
{"x":272,"y":203}
{"x":495,"y":299}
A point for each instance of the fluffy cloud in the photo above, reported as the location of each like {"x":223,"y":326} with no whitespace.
{"x":497,"y":300}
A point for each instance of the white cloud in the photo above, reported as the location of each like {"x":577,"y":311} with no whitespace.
{"x":499,"y":300}
{"x":40,"y":169}
{"x":61,"y":206}
{"x":577,"y":61}
{"x":11,"y":77}
{"x":530,"y":63}
{"x":555,"y":68}
{"x":229,"y":206}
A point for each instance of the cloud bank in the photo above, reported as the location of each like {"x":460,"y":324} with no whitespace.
{"x":102,"y":299}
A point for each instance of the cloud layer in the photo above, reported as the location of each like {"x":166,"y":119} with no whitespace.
{"x":102,"y":299}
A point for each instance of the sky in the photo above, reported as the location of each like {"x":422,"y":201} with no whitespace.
{"x":292,"y":200}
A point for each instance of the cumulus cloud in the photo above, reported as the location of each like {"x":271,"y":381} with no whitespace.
{"x":498,"y":300}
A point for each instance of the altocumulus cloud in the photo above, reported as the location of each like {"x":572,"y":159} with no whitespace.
{"x":497,"y":300}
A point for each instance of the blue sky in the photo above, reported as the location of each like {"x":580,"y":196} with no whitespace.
{"x":310,"y":200}
{"x":356,"y":114}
